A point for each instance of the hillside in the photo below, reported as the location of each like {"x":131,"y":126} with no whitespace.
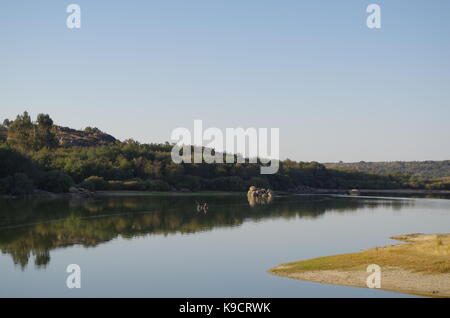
{"x":40,"y":155}
{"x":68,"y":137}
{"x":90,"y":137}
{"x":419,"y":169}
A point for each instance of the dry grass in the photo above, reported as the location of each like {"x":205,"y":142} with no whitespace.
{"x":423,"y":253}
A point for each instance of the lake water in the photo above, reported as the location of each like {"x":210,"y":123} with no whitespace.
{"x":161,"y":246}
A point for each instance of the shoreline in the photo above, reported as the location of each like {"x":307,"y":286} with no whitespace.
{"x":383,"y":191}
{"x":113,"y":193}
{"x":420,"y":267}
{"x":85,"y":194}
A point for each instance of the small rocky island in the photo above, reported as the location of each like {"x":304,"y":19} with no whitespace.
{"x":259,"y":196}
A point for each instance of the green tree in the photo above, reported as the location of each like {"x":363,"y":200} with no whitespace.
{"x":21,"y":132}
{"x":44,"y":135}
{"x":6,"y":123}
{"x":3,"y":134}
{"x":55,"y":181}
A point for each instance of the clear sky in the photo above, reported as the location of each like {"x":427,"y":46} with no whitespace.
{"x":336,"y":89}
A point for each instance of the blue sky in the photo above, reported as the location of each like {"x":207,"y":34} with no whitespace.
{"x":336,"y":89}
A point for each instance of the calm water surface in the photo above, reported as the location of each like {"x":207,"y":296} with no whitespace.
{"x":160,"y":246}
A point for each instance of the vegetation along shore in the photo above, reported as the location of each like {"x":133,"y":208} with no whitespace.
{"x":41,"y":156}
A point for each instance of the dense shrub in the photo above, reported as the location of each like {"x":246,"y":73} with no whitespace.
{"x":95,"y":183}
{"x":157,"y":185}
{"x":6,"y":185}
{"x":259,"y":182}
{"x":228,"y":184}
{"x":115,"y":185}
{"x":134,"y":185}
{"x":55,"y":181}
{"x":191,"y":183}
{"x":21,"y":184}
{"x":12,"y":161}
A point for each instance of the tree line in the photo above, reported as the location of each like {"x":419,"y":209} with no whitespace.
{"x":31,"y":158}
{"x":421,"y":169}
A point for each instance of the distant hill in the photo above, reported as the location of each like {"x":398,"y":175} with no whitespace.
{"x":420,"y":169}
{"x":89,"y":137}
{"x":67,"y":137}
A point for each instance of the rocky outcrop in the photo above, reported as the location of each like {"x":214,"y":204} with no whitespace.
{"x":259,"y":196}
{"x":90,"y":137}
{"x":80,"y":193}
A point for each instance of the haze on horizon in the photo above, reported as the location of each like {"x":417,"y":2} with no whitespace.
{"x":337,"y":90}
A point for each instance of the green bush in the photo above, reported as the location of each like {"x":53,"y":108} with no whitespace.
{"x":2,"y":137}
{"x":21,"y":185}
{"x":12,"y":161}
{"x":228,"y":184}
{"x":55,"y":181}
{"x":115,"y":185}
{"x":157,"y":185}
{"x":17,"y":184}
{"x":259,"y":182}
{"x":94,"y":183}
{"x":134,"y":185}
{"x":6,"y":185}
{"x":190,"y":182}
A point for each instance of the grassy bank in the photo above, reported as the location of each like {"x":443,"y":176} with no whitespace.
{"x":422,"y":266}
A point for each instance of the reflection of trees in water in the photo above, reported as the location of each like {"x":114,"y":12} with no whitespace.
{"x":34,"y":228}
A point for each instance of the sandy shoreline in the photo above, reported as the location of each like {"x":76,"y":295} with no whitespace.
{"x":404,"y":267}
{"x":393,"y":279}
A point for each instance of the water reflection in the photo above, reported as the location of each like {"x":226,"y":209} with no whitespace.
{"x":202,"y":207}
{"x":31,"y":229}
